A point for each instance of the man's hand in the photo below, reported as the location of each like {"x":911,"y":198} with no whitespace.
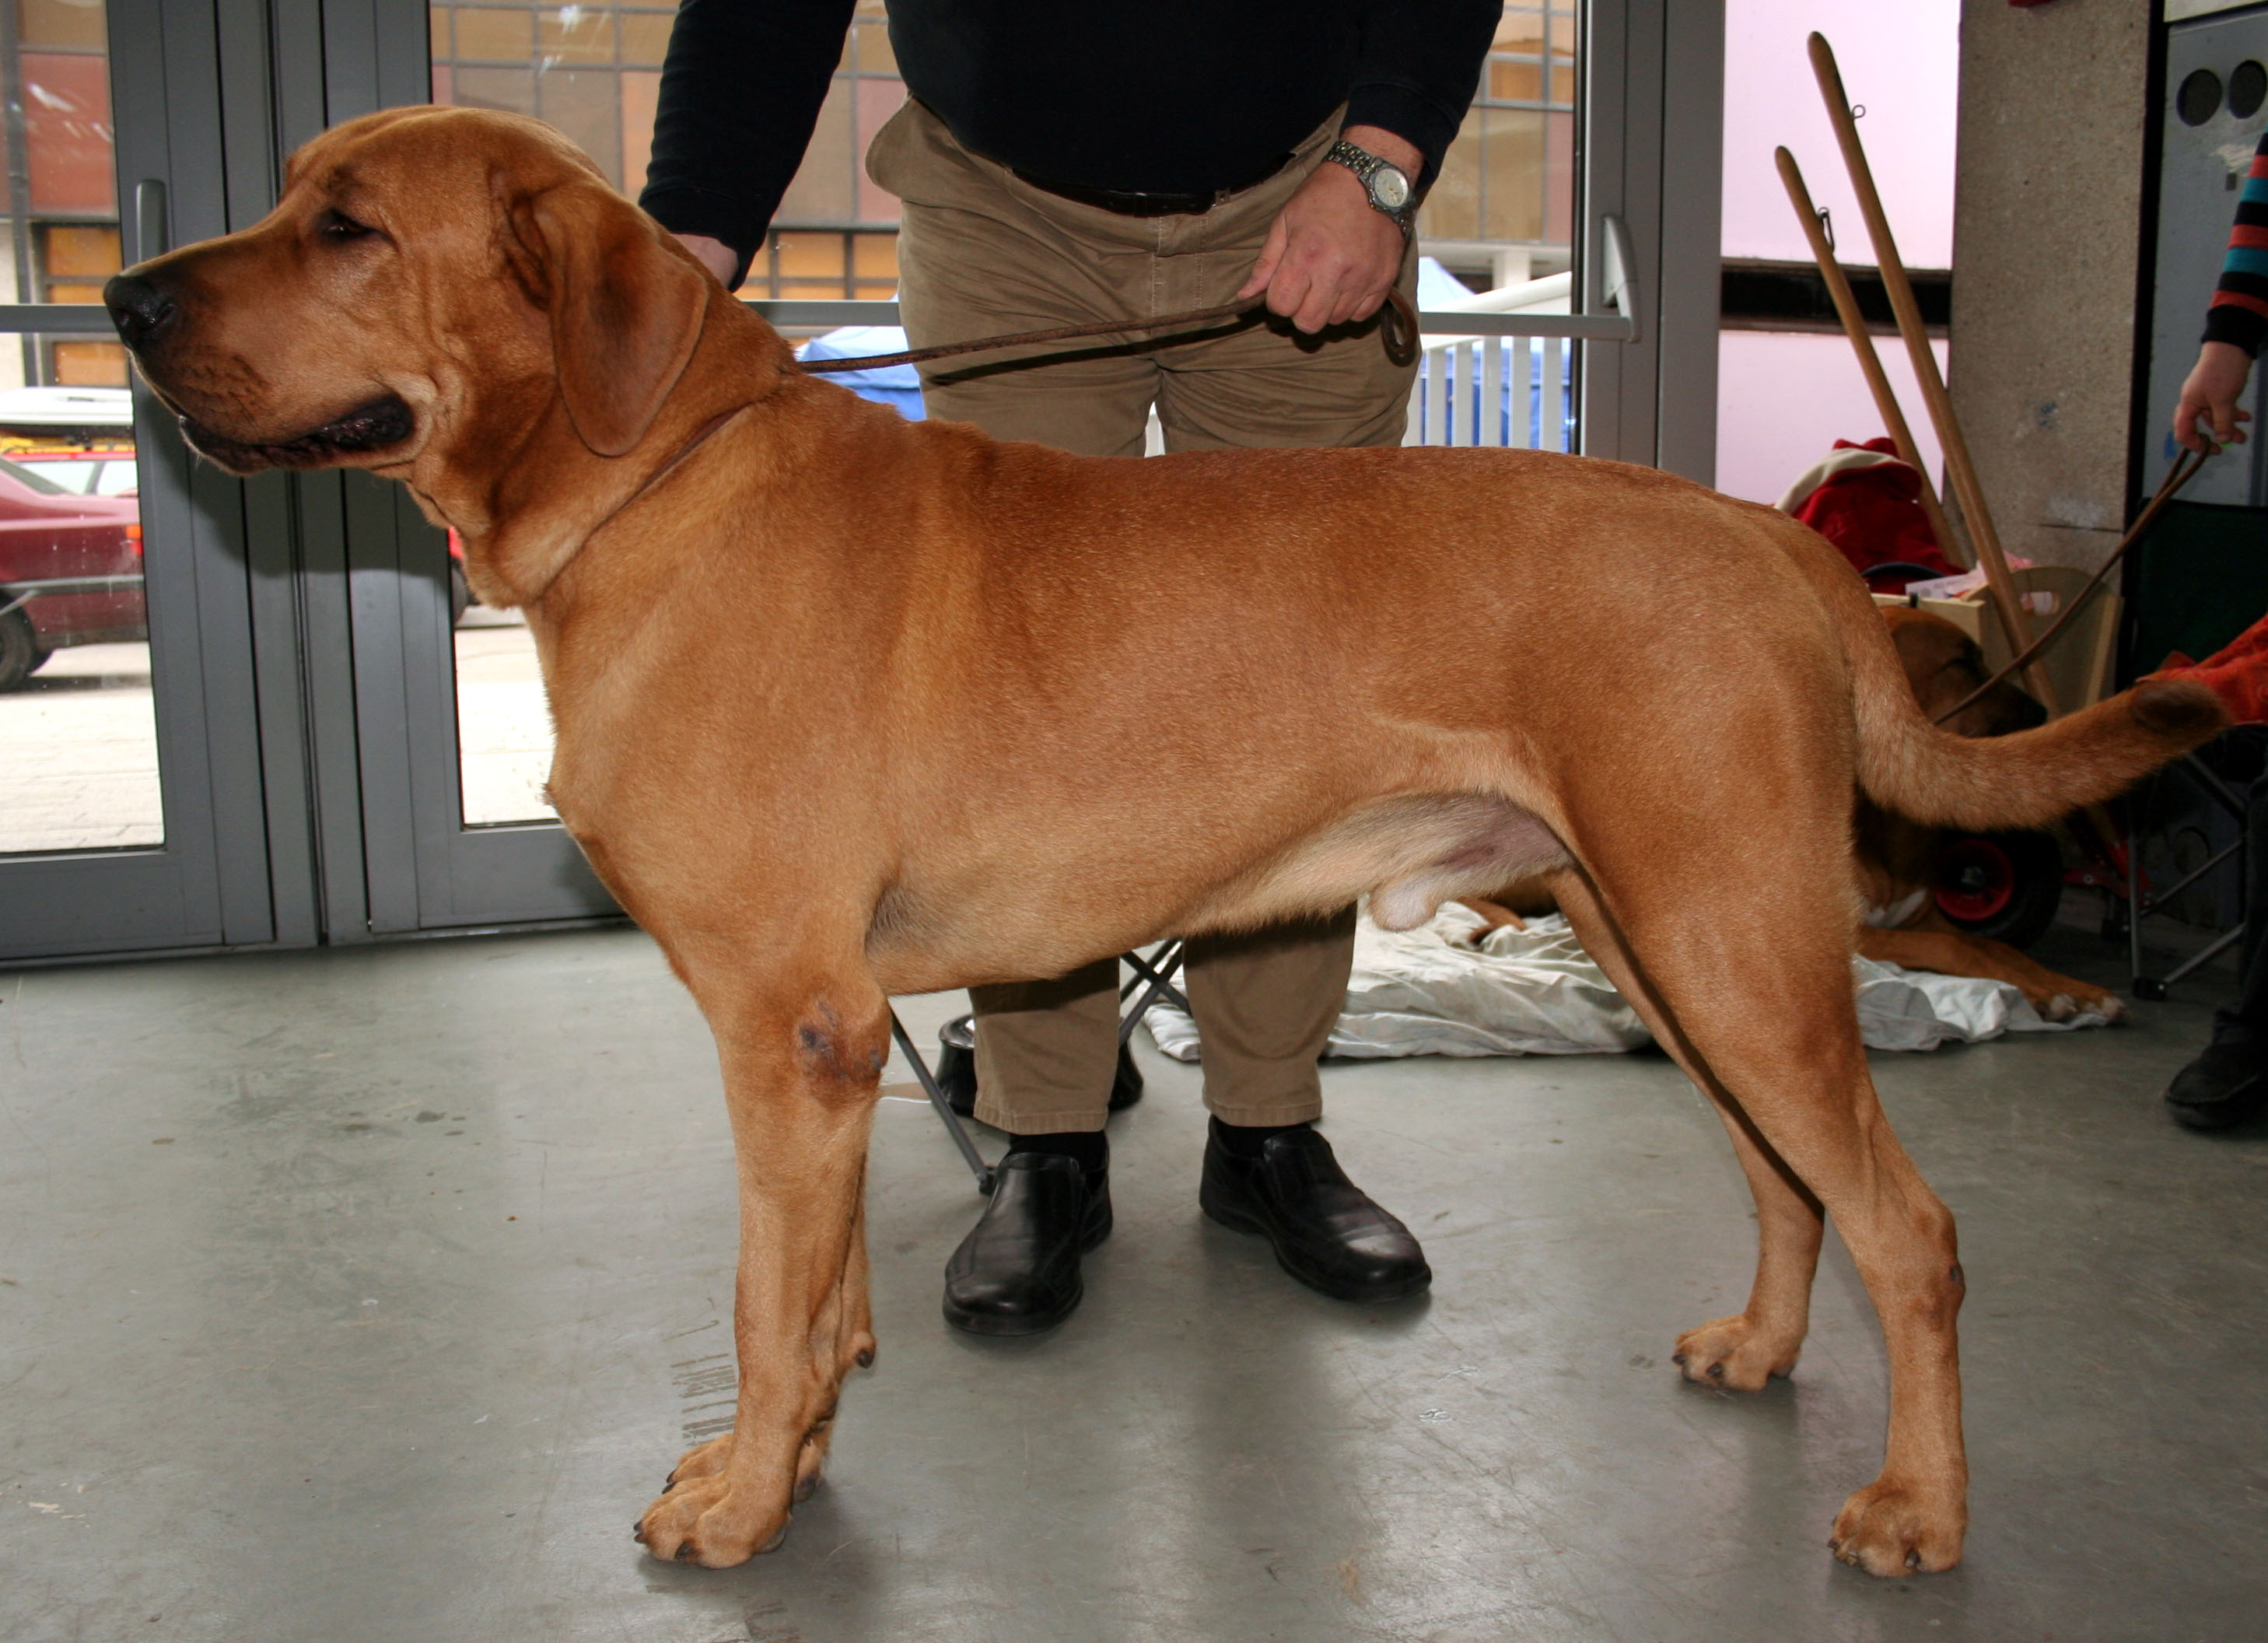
{"x":2214,"y":383}
{"x":1330,"y":255}
{"x":717,"y":257}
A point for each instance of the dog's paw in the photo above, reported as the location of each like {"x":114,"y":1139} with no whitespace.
{"x":1734,"y":1353}
{"x":707,"y":1521}
{"x":1890,"y":1527}
{"x":702,"y":1461}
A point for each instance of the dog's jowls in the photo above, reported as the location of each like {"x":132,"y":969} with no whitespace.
{"x":849,"y":705}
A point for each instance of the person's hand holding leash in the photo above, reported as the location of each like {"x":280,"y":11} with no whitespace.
{"x":2214,"y":384}
{"x":1330,"y":256}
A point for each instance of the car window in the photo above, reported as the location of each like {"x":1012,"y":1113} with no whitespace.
{"x":77,"y":477}
{"x":119,"y":479}
{"x":31,"y":481}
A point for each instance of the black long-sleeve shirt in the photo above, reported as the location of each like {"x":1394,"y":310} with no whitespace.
{"x":1148,"y":96}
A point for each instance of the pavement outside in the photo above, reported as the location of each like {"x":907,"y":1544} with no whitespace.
{"x":79,"y":743}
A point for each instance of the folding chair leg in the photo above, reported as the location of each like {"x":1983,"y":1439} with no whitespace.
{"x":954,"y":1127}
{"x":1161,"y":973}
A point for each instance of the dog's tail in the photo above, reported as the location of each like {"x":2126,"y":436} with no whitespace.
{"x":2030,"y":779}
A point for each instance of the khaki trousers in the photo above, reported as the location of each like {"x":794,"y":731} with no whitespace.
{"x":982,"y":252}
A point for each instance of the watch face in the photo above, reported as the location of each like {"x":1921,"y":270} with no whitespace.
{"x":1391,"y":188}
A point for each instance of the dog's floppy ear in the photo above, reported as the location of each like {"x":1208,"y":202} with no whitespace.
{"x":625,"y":313}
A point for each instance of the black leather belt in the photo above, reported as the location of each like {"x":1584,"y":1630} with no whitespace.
{"x":1128,"y":204}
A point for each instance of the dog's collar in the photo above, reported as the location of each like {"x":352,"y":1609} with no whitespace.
{"x":700,"y":436}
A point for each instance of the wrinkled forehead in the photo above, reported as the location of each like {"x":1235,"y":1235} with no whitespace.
{"x":430,"y":154}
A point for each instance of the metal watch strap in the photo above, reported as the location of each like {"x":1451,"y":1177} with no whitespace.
{"x":1365,"y":167}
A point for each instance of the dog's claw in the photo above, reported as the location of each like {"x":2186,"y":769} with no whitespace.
{"x":1678,"y":1358}
{"x":1716,"y":1372}
{"x":684,"y":1553}
{"x":866,"y":1359}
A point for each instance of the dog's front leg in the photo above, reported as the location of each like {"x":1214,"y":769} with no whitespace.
{"x":802,"y":1067}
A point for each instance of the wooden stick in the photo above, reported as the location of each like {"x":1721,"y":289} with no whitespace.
{"x":2005,"y":602}
{"x":1862,"y":344}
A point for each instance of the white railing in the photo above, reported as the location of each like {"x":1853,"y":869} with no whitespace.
{"x":1492,"y":388}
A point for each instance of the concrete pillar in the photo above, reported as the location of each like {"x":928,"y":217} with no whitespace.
{"x":2047,"y":230}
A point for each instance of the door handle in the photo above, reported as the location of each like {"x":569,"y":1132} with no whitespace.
{"x":150,"y":236}
{"x":1617,"y":269}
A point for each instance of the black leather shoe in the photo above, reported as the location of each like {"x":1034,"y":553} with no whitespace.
{"x":1017,"y":1272}
{"x":2225,"y":1086}
{"x":1326,"y":1232}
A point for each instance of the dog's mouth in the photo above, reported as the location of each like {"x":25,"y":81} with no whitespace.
{"x":382,"y":422}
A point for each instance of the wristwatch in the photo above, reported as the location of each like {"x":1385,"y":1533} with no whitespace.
{"x":1389,"y":186}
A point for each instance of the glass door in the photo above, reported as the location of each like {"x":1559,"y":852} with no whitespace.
{"x":1582,"y":120}
{"x":452,"y":737}
{"x":131,"y":804}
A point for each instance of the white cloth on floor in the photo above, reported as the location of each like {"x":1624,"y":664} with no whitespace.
{"x":1536,"y":992}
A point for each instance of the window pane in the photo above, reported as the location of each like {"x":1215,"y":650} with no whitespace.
{"x":78,"y":733}
{"x":1451,"y":210}
{"x":822,"y":191}
{"x":1512,"y":169}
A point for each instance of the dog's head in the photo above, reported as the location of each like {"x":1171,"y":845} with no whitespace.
{"x":1944,"y":665}
{"x":443,"y":294}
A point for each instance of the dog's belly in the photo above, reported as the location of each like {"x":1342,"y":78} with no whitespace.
{"x":1408,"y":853}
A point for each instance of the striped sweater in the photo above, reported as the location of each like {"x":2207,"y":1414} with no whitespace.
{"x":2239,"y":313}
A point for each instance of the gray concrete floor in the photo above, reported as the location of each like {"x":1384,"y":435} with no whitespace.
{"x":368,"y":1295}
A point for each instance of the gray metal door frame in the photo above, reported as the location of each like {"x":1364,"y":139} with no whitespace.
{"x":212,"y":881}
{"x":1652,"y":133}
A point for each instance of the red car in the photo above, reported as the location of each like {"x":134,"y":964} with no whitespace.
{"x":70,"y":569}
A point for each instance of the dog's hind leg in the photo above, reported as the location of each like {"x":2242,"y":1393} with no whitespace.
{"x":1745,"y":1350}
{"x":802,"y":1059}
{"x":1757,"y":987}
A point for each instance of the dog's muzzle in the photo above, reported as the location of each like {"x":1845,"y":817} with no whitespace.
{"x":383,"y":422}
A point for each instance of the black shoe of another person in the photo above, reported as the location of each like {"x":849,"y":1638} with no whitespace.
{"x":1326,"y":1232}
{"x":1017,"y":1272}
{"x":2227,"y":1085}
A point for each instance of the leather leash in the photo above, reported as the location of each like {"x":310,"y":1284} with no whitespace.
{"x":2182,"y":471}
{"x":1397,"y":329}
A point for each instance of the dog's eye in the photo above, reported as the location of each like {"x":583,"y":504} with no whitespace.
{"x":338,"y":226}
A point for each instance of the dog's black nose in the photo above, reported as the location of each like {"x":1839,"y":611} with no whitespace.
{"x":139,"y":310}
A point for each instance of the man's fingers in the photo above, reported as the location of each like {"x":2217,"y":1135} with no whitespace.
{"x":1289,"y":292}
{"x":1271,"y":255}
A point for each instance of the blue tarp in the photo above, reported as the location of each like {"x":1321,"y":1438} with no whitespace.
{"x":898,"y":387}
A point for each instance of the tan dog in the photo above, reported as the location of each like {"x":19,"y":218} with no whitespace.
{"x":1897,"y":857}
{"x":844,"y":705}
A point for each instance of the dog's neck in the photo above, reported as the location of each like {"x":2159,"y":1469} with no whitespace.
{"x":527,"y":509}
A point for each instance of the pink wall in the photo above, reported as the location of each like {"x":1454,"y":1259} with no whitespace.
{"x":1783,"y":399}
{"x":1900,"y":60}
